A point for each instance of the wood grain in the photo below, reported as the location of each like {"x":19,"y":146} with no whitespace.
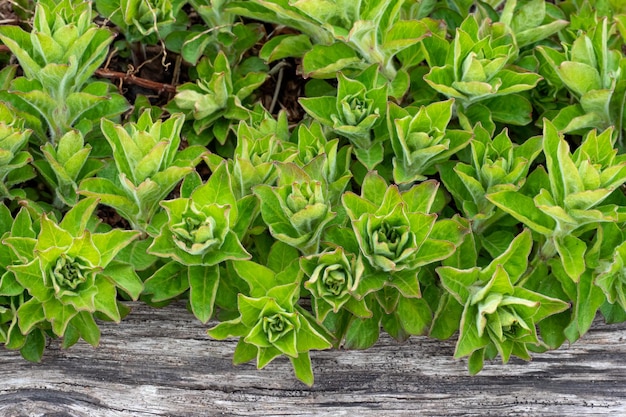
{"x":161,"y":363}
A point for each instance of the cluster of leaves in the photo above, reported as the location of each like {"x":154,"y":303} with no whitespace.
{"x":460,"y":169}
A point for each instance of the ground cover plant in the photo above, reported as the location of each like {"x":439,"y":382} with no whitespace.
{"x":307,"y":174}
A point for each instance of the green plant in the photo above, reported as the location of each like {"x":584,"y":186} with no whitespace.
{"x":69,"y":271}
{"x":214,"y":102}
{"x":58,"y":58}
{"x":297,"y":209}
{"x":476,"y":69}
{"x":14,"y":160}
{"x":420,"y":139}
{"x":355,"y":113}
{"x":345,"y":35}
{"x":270,"y":323}
{"x":591,"y":71}
{"x":499,"y":316}
{"x":148,"y":165}
{"x":495,"y":164}
{"x":453,"y":169}
{"x":143,"y":22}
{"x":577,"y":185}
{"x":66,"y":165}
{"x":203,"y":230}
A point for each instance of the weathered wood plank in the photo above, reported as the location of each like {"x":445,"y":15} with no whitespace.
{"x":161,"y":363}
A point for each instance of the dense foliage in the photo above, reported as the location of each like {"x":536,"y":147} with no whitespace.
{"x":306,"y":173}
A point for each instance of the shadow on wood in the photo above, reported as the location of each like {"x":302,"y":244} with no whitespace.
{"x":162,"y":363}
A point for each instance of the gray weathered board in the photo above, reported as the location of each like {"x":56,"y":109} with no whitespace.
{"x":161,"y":363}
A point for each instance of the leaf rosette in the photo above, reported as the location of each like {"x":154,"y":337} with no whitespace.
{"x":259,"y":145}
{"x":297,"y":209}
{"x":476,"y":65}
{"x":148,"y":166}
{"x":58,"y":57}
{"x":270,"y":324}
{"x":420,"y":139}
{"x":325,"y":158}
{"x":199,"y":235}
{"x":332,"y":279}
{"x":593,"y":75}
{"x":214,"y":103}
{"x":359,"y":107}
{"x":70,"y":273}
{"x":496,"y":164}
{"x":398,"y":233}
{"x":388,"y":242}
{"x":65,"y":43}
{"x":200,"y":230}
{"x":199,"y":227}
{"x":477,"y":71}
{"x":499,"y":314}
{"x":65,"y":164}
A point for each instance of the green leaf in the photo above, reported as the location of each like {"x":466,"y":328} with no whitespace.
{"x":469,"y":339}
{"x":194,"y":46}
{"x":572,"y":252}
{"x":476,"y":361}
{"x":244,"y":352}
{"x":446,"y":318}
{"x":280,"y":256}
{"x":523,"y":208}
{"x":136,"y":254}
{"x":52,"y":235}
{"x":458,"y":281}
{"x":124,"y":277}
{"x":579,"y":77}
{"x":415,"y":315}
{"x":87,"y":327}
{"x":302,"y":368}
{"x":167,"y":282}
{"x":34,"y":346}
{"x":562,"y":171}
{"x":324,"y":61}
{"x":111,"y":243}
{"x":203,"y":284}
{"x":218,"y":190}
{"x":536,"y":34}
{"x":31,"y":277}
{"x":372,"y":156}
{"x":589,"y":298}
{"x":284,"y":46}
{"x":259,"y":277}
{"x":59,"y":315}
{"x":406,"y":282}
{"x":362,"y":333}
{"x":110,"y":195}
{"x":75,"y":221}
{"x":248,"y":209}
{"x":29,"y":314}
{"x":513,"y":109}
{"x":9,"y":285}
{"x":514,"y":259}
{"x":320,"y":108}
{"x":106,"y":301}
